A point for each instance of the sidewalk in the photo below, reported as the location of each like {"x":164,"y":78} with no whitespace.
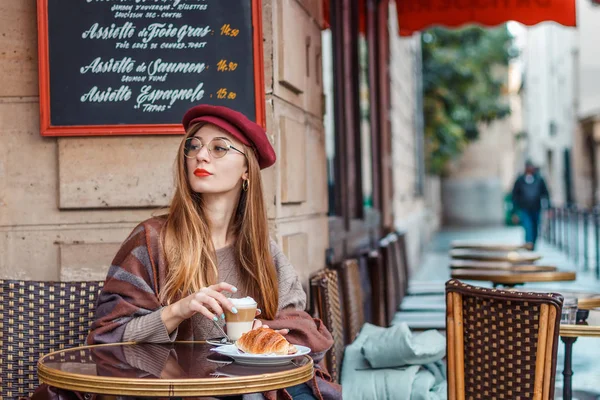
{"x":586,"y":351}
{"x":435,"y":261}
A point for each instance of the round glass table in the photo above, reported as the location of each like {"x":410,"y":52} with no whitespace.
{"x":152,"y":370}
{"x":488,"y":246}
{"x":500,"y":266}
{"x":512,"y":278}
{"x":514,"y":257}
{"x":585,"y":300}
{"x":569,"y":334}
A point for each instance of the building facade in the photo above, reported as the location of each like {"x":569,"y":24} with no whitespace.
{"x":477,"y":182}
{"x":586,"y":138}
{"x":66,"y":203}
{"x":416,"y":195}
{"x":548,"y":104}
{"x":473,"y":193}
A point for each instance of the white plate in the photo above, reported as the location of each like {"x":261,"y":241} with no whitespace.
{"x":259,"y":359}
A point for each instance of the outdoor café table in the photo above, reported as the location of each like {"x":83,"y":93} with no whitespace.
{"x":500,"y":266}
{"x":569,"y":334}
{"x":511,"y":278}
{"x":488,"y":246}
{"x":154,"y":370}
{"x":585,"y":300}
{"x":514,"y":257}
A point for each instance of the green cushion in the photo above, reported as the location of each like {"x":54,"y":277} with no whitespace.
{"x":426,"y":387}
{"x":397,"y":346}
{"x":360,"y":381}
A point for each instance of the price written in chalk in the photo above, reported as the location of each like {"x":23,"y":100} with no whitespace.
{"x":225,"y":94}
{"x":226,"y":30}
{"x":223,"y":65}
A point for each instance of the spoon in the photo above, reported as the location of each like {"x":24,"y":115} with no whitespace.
{"x":225,"y":338}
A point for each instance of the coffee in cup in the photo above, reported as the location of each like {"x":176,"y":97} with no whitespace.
{"x":240,"y":323}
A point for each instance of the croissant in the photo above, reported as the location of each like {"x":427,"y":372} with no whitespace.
{"x":265,"y":341}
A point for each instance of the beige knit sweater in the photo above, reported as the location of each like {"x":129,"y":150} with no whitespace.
{"x":150,"y":328}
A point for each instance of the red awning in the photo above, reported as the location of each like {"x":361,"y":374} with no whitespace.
{"x":416,"y":15}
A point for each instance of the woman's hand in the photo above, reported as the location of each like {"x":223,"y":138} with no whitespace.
{"x":258,"y":324}
{"x":208,"y":301}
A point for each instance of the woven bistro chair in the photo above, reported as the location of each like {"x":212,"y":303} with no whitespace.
{"x":376,"y":273}
{"x":366,"y":287}
{"x":391,"y":284}
{"x":352,"y":297}
{"x":403,"y":269}
{"x":500,"y":344}
{"x":396,"y":265}
{"x":39,"y":318}
{"x":327,"y":305}
{"x":406,"y":270}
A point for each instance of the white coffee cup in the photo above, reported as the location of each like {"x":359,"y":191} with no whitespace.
{"x":241,"y":322}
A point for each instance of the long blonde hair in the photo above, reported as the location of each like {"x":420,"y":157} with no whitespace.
{"x":189,"y":251}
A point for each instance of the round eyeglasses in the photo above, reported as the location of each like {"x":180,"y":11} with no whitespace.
{"x":217,"y":148}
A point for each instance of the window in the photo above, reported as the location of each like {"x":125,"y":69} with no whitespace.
{"x":356,"y":123}
{"x":329,"y":117}
{"x":364,"y":90}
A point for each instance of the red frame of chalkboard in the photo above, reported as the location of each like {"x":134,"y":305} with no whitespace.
{"x":47,"y":129}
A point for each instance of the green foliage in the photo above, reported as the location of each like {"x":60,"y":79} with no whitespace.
{"x":462,"y":87}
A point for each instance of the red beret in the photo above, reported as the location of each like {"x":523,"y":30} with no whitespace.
{"x":237,"y":125}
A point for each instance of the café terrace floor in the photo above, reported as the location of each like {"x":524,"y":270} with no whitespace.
{"x":586,"y":351}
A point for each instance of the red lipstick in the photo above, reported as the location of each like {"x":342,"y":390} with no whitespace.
{"x":201,"y":172}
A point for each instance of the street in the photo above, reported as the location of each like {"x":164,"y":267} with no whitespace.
{"x":586,"y":351}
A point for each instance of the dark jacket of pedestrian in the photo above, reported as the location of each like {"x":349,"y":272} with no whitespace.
{"x":529,"y":191}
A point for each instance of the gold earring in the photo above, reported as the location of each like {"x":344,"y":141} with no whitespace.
{"x":245,"y":184}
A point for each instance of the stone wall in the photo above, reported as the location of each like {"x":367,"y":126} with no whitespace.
{"x":549,"y":96}
{"x":588,"y":60}
{"x":474,"y":190}
{"x":411,"y":212}
{"x":583,"y":166}
{"x":67,"y":203}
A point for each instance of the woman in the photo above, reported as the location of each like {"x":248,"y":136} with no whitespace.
{"x":172,"y":275}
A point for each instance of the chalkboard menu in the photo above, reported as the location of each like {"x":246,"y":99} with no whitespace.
{"x":135,"y":66}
